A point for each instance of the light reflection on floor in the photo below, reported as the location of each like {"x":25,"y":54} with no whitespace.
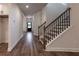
{"x":29,"y":37}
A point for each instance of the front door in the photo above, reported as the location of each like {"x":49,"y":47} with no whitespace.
{"x":29,"y":26}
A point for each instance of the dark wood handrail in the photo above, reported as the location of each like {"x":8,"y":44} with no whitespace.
{"x":57,"y":17}
{"x":41,"y":24}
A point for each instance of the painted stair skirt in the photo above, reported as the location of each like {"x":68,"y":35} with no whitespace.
{"x":41,"y":38}
{"x":58,"y":36}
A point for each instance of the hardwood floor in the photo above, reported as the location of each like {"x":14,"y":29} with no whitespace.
{"x":30,"y":46}
{"x":3,"y":47}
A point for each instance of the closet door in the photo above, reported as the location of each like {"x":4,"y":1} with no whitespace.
{"x":4,"y":29}
{"x":0,"y":30}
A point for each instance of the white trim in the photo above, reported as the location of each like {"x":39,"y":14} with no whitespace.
{"x":10,"y":48}
{"x":63,"y":49}
{"x":58,"y":36}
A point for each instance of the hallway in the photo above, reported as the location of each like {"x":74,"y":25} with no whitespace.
{"x":30,"y":46}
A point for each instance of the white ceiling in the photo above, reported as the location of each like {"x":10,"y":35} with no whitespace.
{"x":33,"y":7}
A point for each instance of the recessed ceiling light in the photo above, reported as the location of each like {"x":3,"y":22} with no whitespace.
{"x":27,"y":6}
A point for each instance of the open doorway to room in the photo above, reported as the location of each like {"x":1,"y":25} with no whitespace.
{"x":29,"y":26}
{"x":3,"y":32}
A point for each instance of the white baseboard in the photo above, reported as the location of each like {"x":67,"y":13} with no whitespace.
{"x":10,"y":48}
{"x":57,"y":36}
{"x":63,"y":49}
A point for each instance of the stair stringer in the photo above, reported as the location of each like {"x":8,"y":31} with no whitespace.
{"x":57,"y":36}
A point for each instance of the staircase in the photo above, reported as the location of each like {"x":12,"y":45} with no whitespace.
{"x":48,"y":33}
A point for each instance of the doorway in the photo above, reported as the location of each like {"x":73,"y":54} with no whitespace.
{"x":29,"y":26}
{"x":3,"y":32}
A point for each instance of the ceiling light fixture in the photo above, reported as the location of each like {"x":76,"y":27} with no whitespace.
{"x":27,"y":6}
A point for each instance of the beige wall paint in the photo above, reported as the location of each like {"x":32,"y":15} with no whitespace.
{"x":69,"y":41}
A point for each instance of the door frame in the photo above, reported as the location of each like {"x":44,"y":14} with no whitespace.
{"x":27,"y":25}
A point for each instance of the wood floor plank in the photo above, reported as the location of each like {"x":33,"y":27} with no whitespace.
{"x":30,"y":46}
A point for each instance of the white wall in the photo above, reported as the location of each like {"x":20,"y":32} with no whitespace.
{"x":54,"y":10}
{"x":37,"y":18}
{"x":15,"y":24}
{"x":43,"y":15}
{"x":69,"y":41}
{"x":24,"y":24}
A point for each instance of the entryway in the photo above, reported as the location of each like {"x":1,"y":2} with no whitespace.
{"x":29,"y":26}
{"x":3,"y":32}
